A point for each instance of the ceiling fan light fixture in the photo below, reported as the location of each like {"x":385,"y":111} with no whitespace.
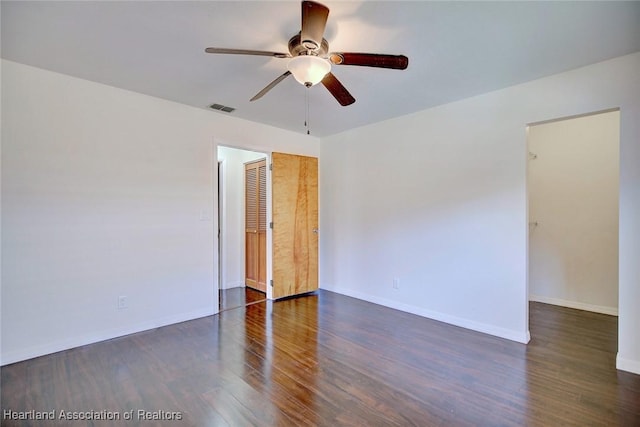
{"x":309,"y":70}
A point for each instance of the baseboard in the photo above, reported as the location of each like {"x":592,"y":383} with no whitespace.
{"x":73,"y":342}
{"x":628,"y":365}
{"x":521,"y":337}
{"x":612,"y":311}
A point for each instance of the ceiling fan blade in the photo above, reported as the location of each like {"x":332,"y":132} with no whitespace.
{"x":339,"y":92}
{"x":314,"y":20}
{"x":246,"y":52}
{"x":271,"y":85}
{"x":396,"y":62}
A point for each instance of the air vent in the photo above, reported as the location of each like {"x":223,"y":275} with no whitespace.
{"x":221,"y":107}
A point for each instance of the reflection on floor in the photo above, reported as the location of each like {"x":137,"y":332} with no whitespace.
{"x":331,"y":360}
{"x":239,"y":297}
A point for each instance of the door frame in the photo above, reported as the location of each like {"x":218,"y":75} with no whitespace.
{"x":527,"y":159}
{"x":269,"y":237}
{"x":221,"y":220}
{"x":219,"y":255}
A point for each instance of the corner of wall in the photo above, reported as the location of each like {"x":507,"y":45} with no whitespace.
{"x":628,"y":365}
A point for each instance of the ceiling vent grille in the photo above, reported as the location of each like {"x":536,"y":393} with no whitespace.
{"x":221,"y":107}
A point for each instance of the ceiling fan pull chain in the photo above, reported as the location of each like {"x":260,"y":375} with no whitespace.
{"x":306,"y":111}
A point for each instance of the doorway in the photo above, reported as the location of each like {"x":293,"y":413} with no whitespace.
{"x":573,"y":199}
{"x":233,"y":292}
{"x":293,"y":231}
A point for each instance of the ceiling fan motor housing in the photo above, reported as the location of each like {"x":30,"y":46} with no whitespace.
{"x":298,"y":47}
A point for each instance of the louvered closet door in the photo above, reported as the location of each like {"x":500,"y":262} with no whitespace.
{"x":256,"y":225}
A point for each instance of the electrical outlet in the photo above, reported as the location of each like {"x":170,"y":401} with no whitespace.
{"x":122,"y":302}
{"x":396,"y":283}
{"x":204,"y":215}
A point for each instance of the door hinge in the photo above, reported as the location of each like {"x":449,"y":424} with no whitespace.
{"x":271,"y":225}
{"x":270,"y":166}
{"x":271,"y":283}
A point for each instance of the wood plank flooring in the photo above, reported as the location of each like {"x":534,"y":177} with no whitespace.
{"x":239,"y":297}
{"x":330,"y":360}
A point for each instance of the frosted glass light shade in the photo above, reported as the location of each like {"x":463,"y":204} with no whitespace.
{"x":309,"y":69}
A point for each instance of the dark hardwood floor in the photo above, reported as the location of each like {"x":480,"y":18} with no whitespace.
{"x":239,"y":297}
{"x":327,"y":359}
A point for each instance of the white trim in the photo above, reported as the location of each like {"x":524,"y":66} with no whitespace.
{"x":521,"y":337}
{"x":612,"y":311}
{"x":628,"y":365}
{"x":105,"y":335}
{"x":269,"y":259}
{"x":575,"y":116}
{"x":219,"y":195}
{"x":217,"y":274}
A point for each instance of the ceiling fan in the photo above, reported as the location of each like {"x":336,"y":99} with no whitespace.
{"x":310,"y":60}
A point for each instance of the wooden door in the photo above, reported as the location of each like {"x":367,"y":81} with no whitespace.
{"x":295,"y":224}
{"x":255,"y":177}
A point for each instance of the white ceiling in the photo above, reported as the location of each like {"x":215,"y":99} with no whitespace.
{"x":455,"y":49}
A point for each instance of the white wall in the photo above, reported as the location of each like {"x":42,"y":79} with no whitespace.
{"x":573,"y":200}
{"x":233,"y":231}
{"x":438,"y":200}
{"x":102,"y":192}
